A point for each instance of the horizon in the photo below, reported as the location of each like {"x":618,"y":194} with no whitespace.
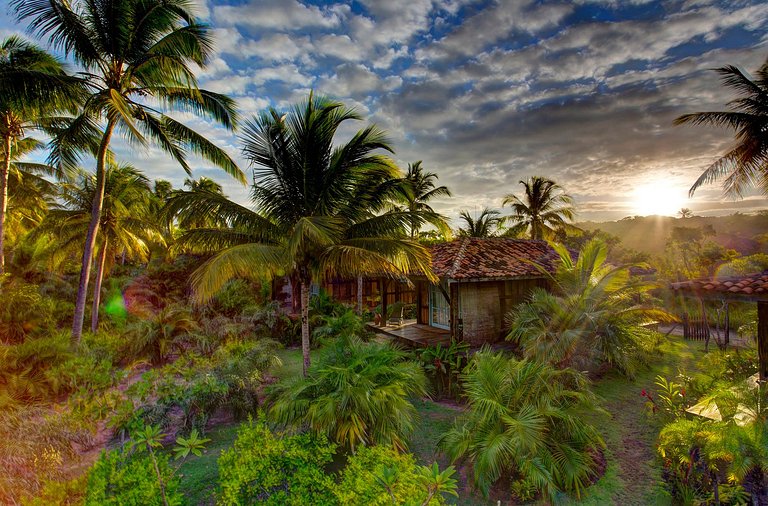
{"x":487,"y":93}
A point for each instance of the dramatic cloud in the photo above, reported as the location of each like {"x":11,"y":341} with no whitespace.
{"x":488,"y":92}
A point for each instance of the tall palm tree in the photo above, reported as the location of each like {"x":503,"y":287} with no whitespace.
{"x":417,"y":190}
{"x":33,"y":84}
{"x":138,"y":58}
{"x":524,"y":419}
{"x":486,"y":225}
{"x":592,"y":315}
{"x":317,"y":208}
{"x":125,"y":222}
{"x":746,"y":163}
{"x":202,"y":185}
{"x":543,"y":209}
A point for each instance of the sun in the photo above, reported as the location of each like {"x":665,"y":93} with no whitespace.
{"x":658,"y":199}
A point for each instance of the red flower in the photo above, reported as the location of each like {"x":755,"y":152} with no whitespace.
{"x":643,"y":393}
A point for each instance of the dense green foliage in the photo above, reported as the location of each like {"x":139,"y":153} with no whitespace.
{"x":357,"y":394}
{"x":122,"y":477}
{"x":593,"y":315}
{"x":381,"y":476}
{"x":267,"y":469}
{"x":523,"y":422}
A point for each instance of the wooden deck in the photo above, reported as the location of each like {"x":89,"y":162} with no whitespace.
{"x":414,"y":334}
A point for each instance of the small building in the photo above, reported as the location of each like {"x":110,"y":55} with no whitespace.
{"x":481,"y":280}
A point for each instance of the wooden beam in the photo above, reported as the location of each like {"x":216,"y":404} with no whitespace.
{"x":762,"y":338}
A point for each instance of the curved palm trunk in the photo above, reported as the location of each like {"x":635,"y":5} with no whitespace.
{"x":90,"y":238}
{"x":97,"y":286}
{"x":4,"y":171}
{"x":305,"y":324}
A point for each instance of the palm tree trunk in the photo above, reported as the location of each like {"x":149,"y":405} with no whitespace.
{"x":97,"y":286}
{"x":360,"y":295}
{"x":305,"y":324}
{"x":90,"y":239}
{"x":4,"y":171}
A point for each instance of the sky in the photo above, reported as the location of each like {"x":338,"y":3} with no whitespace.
{"x":487,"y":93}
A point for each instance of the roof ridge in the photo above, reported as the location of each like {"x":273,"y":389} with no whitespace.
{"x":459,"y":257}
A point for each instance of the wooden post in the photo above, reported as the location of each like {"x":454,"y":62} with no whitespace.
{"x":762,"y":338}
{"x":383,"y":282}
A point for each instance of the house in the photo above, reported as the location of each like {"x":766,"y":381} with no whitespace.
{"x":481,"y":280}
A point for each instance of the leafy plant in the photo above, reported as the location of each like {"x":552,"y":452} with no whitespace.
{"x":381,"y":476}
{"x":594,"y":315}
{"x":357,"y":394}
{"x":123,"y":477}
{"x":445,"y":364}
{"x":23,"y":313}
{"x":272,"y":469}
{"x":670,"y":398}
{"x":160,"y":330}
{"x":524,"y":421}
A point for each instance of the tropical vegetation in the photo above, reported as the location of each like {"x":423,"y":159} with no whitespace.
{"x":218,"y":369}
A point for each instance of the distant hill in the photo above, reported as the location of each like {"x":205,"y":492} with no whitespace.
{"x":650,"y":233}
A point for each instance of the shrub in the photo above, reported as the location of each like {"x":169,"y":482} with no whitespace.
{"x":524,"y":421}
{"x":34,"y":443}
{"x":236,"y":296}
{"x":159,"y":331}
{"x":120,"y":477}
{"x":379,"y":476}
{"x":444,"y":364}
{"x":23,"y":312}
{"x":268,"y":469}
{"x":60,"y":493}
{"x":356,"y":393}
{"x":23,"y":367}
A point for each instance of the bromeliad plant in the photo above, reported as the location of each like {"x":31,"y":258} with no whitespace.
{"x":445,"y":364}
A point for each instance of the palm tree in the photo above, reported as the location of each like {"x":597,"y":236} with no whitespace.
{"x":542,"y":211}
{"x":28,"y":192}
{"x":417,"y":190}
{"x":746,"y":163}
{"x":357,"y":394}
{"x":486,"y":225}
{"x":685,"y":213}
{"x":593,"y":314}
{"x":125,"y":222}
{"x":32,"y":84}
{"x":202,"y":185}
{"x":135,"y":54}
{"x":315,"y":212}
{"x":524,"y":420}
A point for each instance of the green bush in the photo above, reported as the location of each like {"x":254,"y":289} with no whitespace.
{"x":236,"y":296}
{"x":120,"y":478}
{"x":34,"y":445}
{"x":23,"y":368}
{"x":267,"y":469}
{"x":363,"y":479}
{"x":60,"y":493}
{"x":356,"y":393}
{"x":23,"y":312}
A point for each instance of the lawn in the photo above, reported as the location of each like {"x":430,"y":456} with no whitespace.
{"x":630,"y":478}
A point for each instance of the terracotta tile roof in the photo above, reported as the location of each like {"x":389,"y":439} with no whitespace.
{"x":473,"y":258}
{"x":750,"y":285}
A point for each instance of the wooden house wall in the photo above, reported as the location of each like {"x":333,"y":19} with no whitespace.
{"x":422,"y":302}
{"x":484,"y":306}
{"x":480,"y":312}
